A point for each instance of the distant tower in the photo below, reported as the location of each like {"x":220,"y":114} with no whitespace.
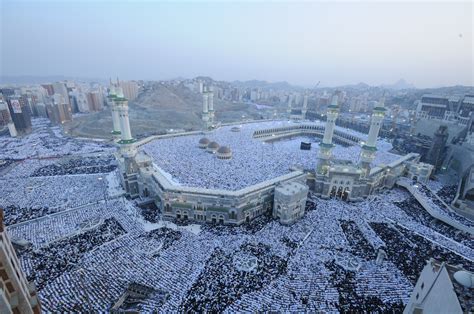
{"x":115,"y":111}
{"x":367,"y":154}
{"x":437,"y":150}
{"x":121,"y":105}
{"x":305,"y":106}
{"x":211,"y":105}
{"x":325,"y":148}
{"x":17,"y":294}
{"x":205,"y":109}
{"x":290,"y":104}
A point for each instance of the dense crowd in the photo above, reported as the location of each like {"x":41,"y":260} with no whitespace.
{"x":413,"y":209}
{"x":62,"y":255}
{"x":410,"y":251}
{"x":52,"y":192}
{"x":46,"y":140}
{"x":442,"y":207}
{"x":84,"y":258}
{"x":198,"y":168}
{"x":15,"y":214}
{"x":84,"y":165}
{"x":447,"y":193}
{"x":221,"y":283}
{"x":297,"y":268}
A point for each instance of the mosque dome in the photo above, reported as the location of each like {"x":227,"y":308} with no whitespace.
{"x":203,"y":142}
{"x":464,"y":278}
{"x":212,"y":147}
{"x":224,"y":152}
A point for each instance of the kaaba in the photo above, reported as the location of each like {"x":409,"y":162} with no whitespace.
{"x":305,"y":146}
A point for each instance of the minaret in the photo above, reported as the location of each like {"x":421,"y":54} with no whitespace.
{"x":121,"y":104}
{"x":211,"y":105}
{"x":115,"y":113}
{"x":205,"y":111}
{"x":290,"y":101}
{"x":325,"y":148}
{"x":367,"y":154}
{"x":305,"y":106}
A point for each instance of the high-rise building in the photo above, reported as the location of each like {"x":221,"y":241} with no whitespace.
{"x":17,"y":295}
{"x":49,"y":88}
{"x":95,"y":100}
{"x":4,"y":113}
{"x":130,"y":89}
{"x":60,"y":111}
{"x":20,"y":113}
{"x":60,"y":88}
{"x":81,"y":101}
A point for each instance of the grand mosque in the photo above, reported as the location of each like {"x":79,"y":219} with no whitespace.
{"x":233,"y":173}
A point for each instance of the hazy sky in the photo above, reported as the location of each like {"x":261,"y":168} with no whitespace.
{"x":428,"y":43}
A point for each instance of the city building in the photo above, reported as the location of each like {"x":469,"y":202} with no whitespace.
{"x":442,"y":288}
{"x":61,"y":89}
{"x":81,"y":101}
{"x":95,"y":100}
{"x":130,"y":89}
{"x":5,"y":118}
{"x":49,"y":88}
{"x":59,"y":111}
{"x":20,"y":113}
{"x":17,"y":295}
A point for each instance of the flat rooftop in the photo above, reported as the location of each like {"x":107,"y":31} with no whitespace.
{"x":253,"y":161}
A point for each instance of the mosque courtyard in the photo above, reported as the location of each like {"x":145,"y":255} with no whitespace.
{"x":85,"y":245}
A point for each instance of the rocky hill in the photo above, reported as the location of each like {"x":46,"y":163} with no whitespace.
{"x":160,"y":107}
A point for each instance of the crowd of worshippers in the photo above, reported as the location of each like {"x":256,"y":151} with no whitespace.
{"x":40,"y":232}
{"x":150,"y":212}
{"x":167,"y":237}
{"x":199,"y":168}
{"x":413,"y":209}
{"x":46,"y":140}
{"x":184,"y":265}
{"x":221,"y":282}
{"x":350,"y":301}
{"x":85,"y":165}
{"x":15,"y":214}
{"x":358,"y":243}
{"x":62,"y":255}
{"x":409,"y":251}
{"x":448,"y":193}
{"x":55,"y":191}
{"x":442,"y":208}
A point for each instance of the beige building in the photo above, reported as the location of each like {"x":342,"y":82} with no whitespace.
{"x":16,"y":294}
{"x":289,"y":201}
{"x":130,"y":89}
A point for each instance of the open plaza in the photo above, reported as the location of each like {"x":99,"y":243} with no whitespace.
{"x":86,"y":246}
